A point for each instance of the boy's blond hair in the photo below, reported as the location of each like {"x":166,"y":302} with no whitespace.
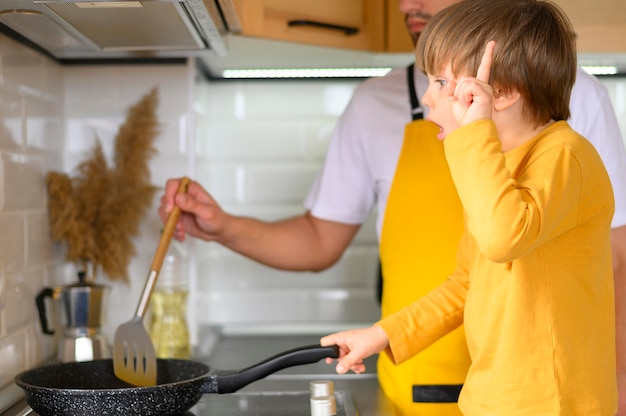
{"x":535,"y":52}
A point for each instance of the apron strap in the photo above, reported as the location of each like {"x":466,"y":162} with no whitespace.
{"x":416,"y":110}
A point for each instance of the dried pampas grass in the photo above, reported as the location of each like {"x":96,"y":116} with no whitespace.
{"x":97,"y":212}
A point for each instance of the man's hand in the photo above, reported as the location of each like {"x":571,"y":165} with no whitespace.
{"x":200,"y":215}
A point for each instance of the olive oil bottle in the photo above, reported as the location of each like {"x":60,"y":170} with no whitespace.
{"x":168,"y":306}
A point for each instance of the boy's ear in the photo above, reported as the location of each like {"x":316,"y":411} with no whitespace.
{"x":504,"y":100}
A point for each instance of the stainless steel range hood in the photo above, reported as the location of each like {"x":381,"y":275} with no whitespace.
{"x":122,"y":29}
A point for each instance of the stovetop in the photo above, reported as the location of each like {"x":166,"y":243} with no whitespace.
{"x":287,"y":403}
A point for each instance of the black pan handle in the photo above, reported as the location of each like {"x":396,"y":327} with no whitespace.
{"x":348,"y":30}
{"x":229,"y":382}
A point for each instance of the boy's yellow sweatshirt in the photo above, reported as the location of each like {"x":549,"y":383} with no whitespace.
{"x":534,"y":281}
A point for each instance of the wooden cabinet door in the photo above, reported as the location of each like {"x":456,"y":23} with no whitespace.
{"x":351,"y":24}
{"x":600,"y":25}
{"x":397,"y":35}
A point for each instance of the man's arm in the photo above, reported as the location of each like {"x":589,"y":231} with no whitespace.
{"x":298,"y":243}
{"x":618,"y":245}
{"x":303,"y":242}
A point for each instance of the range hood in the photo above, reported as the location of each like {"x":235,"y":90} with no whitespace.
{"x":100,"y":29}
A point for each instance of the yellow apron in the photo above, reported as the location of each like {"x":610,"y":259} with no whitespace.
{"x":422,"y":226}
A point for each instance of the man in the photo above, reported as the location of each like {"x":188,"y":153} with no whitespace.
{"x":373,"y":158}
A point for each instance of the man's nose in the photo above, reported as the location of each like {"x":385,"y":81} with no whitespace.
{"x":406,"y":6}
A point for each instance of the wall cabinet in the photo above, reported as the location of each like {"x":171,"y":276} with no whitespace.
{"x":378,"y":25}
{"x":352,"y":24}
{"x":600,"y":25}
{"x":397,"y":37}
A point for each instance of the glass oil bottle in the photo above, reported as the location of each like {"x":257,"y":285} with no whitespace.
{"x":168,"y":322}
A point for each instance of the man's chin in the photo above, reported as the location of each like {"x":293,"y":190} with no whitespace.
{"x":415,"y":37}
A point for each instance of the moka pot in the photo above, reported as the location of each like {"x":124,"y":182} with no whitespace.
{"x":81,"y":309}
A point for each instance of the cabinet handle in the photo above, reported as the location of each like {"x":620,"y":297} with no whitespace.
{"x":346,"y":29}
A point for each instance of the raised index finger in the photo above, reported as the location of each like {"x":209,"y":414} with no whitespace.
{"x":484,"y":69}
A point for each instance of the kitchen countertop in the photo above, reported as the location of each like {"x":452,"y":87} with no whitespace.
{"x":232,"y":352}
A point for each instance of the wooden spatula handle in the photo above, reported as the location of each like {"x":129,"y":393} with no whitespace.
{"x":157,"y":262}
{"x":168,"y":231}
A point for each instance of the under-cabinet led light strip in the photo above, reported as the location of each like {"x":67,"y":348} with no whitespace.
{"x":349,"y":72}
{"x":306,"y":73}
{"x":600,"y":70}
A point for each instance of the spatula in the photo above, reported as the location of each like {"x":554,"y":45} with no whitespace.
{"x":134,"y":359}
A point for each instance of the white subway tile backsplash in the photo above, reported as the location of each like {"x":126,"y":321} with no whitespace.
{"x":258,"y":157}
{"x":172,"y":139}
{"x":25,"y":68}
{"x":13,"y":356}
{"x":3,"y":283}
{"x":318,"y":134}
{"x":33,"y":278}
{"x":20,"y":305}
{"x":287,"y":306}
{"x":265,"y":140}
{"x":37,"y":345}
{"x":44,"y":127}
{"x":221,"y":270}
{"x":3,"y":180}
{"x":274,"y":100}
{"x":164,"y":167}
{"x":24,"y":189}
{"x":82,"y":135}
{"x":109,"y":90}
{"x":284,"y":183}
{"x":12,"y":241}
{"x":12,"y":111}
{"x":252,"y":141}
{"x":39,"y":244}
{"x":31,"y":143}
{"x":220,"y":179}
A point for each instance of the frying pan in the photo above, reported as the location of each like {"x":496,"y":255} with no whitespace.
{"x":91,"y":388}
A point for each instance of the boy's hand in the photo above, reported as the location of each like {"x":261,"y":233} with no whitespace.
{"x":355,"y":346}
{"x":473,"y":97}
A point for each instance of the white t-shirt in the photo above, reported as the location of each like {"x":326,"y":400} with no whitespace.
{"x":367,"y":141}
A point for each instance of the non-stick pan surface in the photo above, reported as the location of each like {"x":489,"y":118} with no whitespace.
{"x":91,"y":388}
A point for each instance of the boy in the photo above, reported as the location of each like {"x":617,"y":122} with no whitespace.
{"x":533,"y":283}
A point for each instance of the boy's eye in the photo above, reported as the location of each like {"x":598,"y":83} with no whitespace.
{"x":441,"y":82}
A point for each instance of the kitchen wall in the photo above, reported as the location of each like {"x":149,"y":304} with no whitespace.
{"x":49,"y":116}
{"x":256,"y":145}
{"x":31,"y":143}
{"x":259,"y":146}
